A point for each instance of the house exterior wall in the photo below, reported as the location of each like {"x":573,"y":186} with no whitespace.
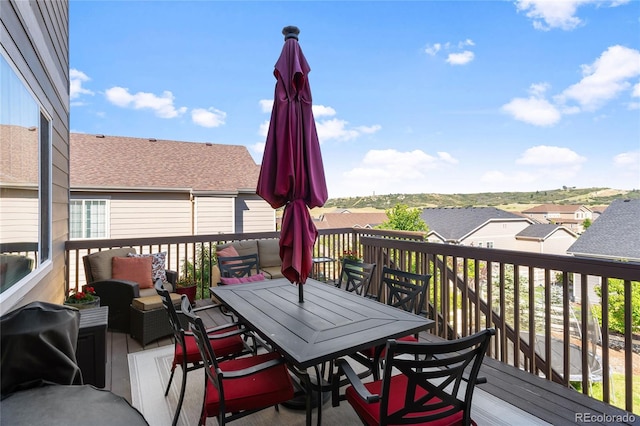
{"x":253,"y":214}
{"x":214,"y":215}
{"x":35,"y":40}
{"x":500,"y":233}
{"x":149,"y":215}
{"x":19,"y":210}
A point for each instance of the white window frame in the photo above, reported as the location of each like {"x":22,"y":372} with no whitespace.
{"x":43,"y":264}
{"x":83,"y":221}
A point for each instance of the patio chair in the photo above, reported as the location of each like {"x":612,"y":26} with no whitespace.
{"x":356,"y":276}
{"x":238,"y":266}
{"x":422,"y":383}
{"x":226,"y":340}
{"x":117,"y":293}
{"x":401,"y":289}
{"x":238,"y":387}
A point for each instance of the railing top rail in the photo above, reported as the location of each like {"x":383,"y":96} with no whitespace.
{"x":179,"y":239}
{"x":604,"y":268}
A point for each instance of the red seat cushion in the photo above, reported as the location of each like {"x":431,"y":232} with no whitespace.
{"x":222,"y":347}
{"x":264,"y":389}
{"x":370,"y":413}
{"x":371,"y":352}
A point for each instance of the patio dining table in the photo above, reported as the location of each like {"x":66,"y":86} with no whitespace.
{"x":329,"y":324}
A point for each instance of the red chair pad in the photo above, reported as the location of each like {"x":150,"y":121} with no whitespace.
{"x":266,"y":388}
{"x":371,"y":352}
{"x":370,"y":413}
{"x":221,"y":347}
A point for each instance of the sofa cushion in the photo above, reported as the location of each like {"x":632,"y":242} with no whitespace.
{"x":272,"y":272}
{"x":269,"y":252}
{"x":100,"y":262}
{"x":246,"y":247}
{"x":229,"y":251}
{"x":136,"y":269}
{"x":150,"y":303}
{"x":158,"y":260}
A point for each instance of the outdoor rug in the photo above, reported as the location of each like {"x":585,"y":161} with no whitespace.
{"x":149,"y":374}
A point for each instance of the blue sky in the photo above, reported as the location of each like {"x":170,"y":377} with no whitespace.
{"x":409,"y":97}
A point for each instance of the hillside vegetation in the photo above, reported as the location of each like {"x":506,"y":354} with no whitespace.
{"x":504,"y":200}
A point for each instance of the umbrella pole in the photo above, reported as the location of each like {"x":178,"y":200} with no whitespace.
{"x":300,"y":293}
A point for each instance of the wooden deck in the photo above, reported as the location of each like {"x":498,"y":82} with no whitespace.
{"x":546,"y":400}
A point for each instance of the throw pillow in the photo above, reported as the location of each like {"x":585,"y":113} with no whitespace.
{"x":242,"y":280}
{"x":228,"y":252}
{"x":137,"y":269}
{"x":158,"y":270}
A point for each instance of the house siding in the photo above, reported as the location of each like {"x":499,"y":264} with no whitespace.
{"x":150,"y":217}
{"x":500,"y":233}
{"x":214,"y":215}
{"x":19,"y":211}
{"x":35,"y":38}
{"x":253,"y":214}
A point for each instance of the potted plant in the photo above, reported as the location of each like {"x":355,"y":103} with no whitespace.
{"x":83,"y":299}
{"x":187,"y":285}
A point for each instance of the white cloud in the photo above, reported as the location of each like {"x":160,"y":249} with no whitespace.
{"x":547,"y":14}
{"x":533,"y":110}
{"x":76,"y":78}
{"x":391,"y":171}
{"x":636,"y":91}
{"x":544,"y":155}
{"x":322,"y":111}
{"x":258,"y":148}
{"x":628,"y":159}
{"x":609,"y":75}
{"x":338,"y":129}
{"x":266,"y":105}
{"x":210,"y":117}
{"x":467,"y":42}
{"x":433,"y":49}
{"x":264,"y":128}
{"x":460,"y":58}
{"x":161,"y":105}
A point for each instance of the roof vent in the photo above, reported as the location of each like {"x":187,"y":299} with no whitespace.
{"x":153,"y":140}
{"x":100,"y":136}
{"x":32,"y":128}
{"x":209,"y":144}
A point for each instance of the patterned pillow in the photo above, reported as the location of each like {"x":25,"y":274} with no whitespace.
{"x":157,"y":265}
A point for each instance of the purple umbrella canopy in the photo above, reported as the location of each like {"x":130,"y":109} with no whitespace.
{"x":292,"y":173}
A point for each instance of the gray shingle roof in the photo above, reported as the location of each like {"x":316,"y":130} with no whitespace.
{"x":616,"y":233}
{"x":454,"y":223}
{"x":539,"y":231}
{"x":123,"y":162}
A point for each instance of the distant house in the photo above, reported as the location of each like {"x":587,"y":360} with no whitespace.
{"x":124,"y":187}
{"x":615,"y":235}
{"x":571,"y":216}
{"x":474,"y":226}
{"x":347,"y":219}
{"x":545,"y":238}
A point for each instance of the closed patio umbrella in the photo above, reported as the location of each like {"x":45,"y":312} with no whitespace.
{"x":292,"y":174}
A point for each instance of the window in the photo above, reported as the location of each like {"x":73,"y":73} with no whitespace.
{"x":489,"y":244}
{"x":25,"y":183}
{"x":89,"y":219}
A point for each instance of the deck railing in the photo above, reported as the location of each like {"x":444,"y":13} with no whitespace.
{"x":526,"y":297}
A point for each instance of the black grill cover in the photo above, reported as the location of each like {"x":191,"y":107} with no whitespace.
{"x":38,"y":346}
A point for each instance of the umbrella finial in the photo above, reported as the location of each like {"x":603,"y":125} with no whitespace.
{"x":290,"y":31}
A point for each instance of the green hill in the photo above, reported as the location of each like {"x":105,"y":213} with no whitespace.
{"x":505,"y":200}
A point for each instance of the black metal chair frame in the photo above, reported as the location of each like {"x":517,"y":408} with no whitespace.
{"x":179,"y":335}
{"x":213,"y":372}
{"x":400,"y":289}
{"x":356,"y":276}
{"x":239,"y":266}
{"x":439,"y":368}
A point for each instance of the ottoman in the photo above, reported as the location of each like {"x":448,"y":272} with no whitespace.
{"x":150,"y":320}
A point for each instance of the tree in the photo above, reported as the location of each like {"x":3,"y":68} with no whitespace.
{"x":586,"y":223}
{"x":403,"y":218}
{"x":616,"y":305}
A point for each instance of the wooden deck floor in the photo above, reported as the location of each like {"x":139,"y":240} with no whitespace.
{"x":548,"y":401}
